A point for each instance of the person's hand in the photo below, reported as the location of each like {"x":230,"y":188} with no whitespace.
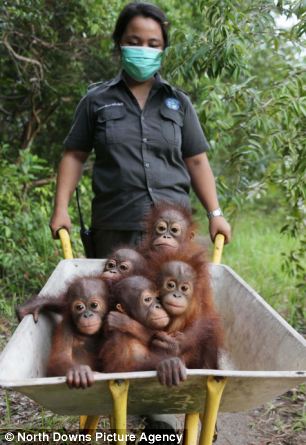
{"x":218,"y":224}
{"x":59,"y":219}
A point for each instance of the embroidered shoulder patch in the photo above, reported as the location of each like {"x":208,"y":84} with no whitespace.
{"x":172,"y":103}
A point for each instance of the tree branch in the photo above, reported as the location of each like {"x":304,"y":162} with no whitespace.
{"x":41,"y":182}
{"x":22,"y":58}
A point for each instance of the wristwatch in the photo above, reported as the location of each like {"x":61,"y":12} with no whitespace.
{"x":213,"y":213}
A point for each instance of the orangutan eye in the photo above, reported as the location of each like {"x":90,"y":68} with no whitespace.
{"x":123,"y":267}
{"x":184,"y":288}
{"x":176,"y":229}
{"x":94,"y":305}
{"x":110,"y":265}
{"x":79,"y":307}
{"x":170,"y":285}
{"x":161,"y":227}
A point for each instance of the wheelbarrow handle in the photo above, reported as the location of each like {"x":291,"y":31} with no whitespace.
{"x":67,"y":250}
{"x":218,"y":248}
{"x":66,"y":244}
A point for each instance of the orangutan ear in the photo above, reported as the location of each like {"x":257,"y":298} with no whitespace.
{"x":120,"y":308}
{"x":192,"y":235}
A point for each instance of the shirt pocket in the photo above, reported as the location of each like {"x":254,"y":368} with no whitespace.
{"x":111,"y":122}
{"x":171,"y":126}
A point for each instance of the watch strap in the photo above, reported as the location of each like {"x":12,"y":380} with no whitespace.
{"x":215,"y":212}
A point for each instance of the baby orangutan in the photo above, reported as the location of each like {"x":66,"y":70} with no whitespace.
{"x":77,"y":338}
{"x":128,"y":350}
{"x":185,"y":293}
{"x":168,"y":228}
{"x":123,"y":262}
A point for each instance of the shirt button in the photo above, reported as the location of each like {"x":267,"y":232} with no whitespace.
{"x":144,"y":139}
{"x":142,"y":118}
{"x":147,"y":164}
{"x":150,"y":189}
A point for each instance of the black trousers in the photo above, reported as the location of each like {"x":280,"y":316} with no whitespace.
{"x":105,"y":241}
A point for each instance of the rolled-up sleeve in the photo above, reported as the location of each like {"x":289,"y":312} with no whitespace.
{"x":193,"y":138}
{"x":80,"y":136}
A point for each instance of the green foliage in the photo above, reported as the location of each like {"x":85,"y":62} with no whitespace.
{"x":250,"y":109}
{"x":50,"y":52}
{"x":27,"y":254}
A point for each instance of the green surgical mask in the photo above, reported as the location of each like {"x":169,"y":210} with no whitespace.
{"x":141,"y":62}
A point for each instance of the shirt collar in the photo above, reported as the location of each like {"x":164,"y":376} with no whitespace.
{"x":116,"y":79}
{"x":159,"y":81}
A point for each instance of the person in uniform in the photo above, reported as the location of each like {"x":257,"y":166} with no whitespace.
{"x":148,"y":142}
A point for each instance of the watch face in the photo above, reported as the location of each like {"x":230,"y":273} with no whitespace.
{"x":217,"y":212}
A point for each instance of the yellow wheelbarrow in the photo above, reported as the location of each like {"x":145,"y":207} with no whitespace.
{"x":265,"y":358}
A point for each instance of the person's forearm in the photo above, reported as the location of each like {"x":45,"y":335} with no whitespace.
{"x":204,"y":185}
{"x":69,"y":173}
{"x":203,"y":181}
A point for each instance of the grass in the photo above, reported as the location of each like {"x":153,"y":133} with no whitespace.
{"x":256,"y":253}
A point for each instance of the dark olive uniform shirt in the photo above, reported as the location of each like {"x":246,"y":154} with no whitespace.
{"x":139,"y":153}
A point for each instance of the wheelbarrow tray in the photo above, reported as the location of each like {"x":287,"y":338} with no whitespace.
{"x":265,"y":357}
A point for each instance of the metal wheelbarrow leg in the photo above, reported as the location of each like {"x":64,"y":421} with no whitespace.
{"x":214,"y":390}
{"x":119,"y":391}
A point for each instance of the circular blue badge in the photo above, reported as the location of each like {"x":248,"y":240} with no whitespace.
{"x":172,"y":103}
